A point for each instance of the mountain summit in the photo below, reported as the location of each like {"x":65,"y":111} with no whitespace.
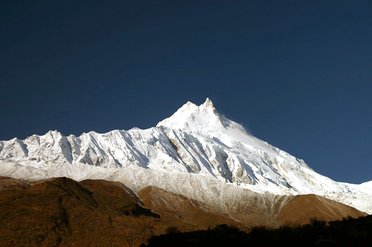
{"x":196,"y":152}
{"x":203,"y":119}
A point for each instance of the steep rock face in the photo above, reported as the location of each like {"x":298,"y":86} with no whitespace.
{"x":196,"y":140}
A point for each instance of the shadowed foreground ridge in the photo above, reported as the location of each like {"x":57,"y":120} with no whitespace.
{"x":348,"y":232}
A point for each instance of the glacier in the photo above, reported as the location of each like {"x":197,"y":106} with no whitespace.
{"x":196,"y":152}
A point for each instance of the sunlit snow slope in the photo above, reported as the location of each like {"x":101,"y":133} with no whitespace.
{"x":195,"y":144}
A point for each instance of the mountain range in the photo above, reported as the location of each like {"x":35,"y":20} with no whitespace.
{"x":196,"y":165}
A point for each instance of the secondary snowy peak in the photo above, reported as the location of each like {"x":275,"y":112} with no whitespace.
{"x":200,"y":119}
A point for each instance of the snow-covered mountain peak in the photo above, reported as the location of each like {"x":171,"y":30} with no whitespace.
{"x":208,"y":104}
{"x":193,"y":118}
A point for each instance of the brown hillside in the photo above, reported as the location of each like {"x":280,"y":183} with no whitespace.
{"x":12,"y":184}
{"x":178,"y":209}
{"x":62,"y":212}
{"x":304,"y":208}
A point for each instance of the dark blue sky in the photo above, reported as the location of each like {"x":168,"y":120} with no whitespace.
{"x":297,"y":74}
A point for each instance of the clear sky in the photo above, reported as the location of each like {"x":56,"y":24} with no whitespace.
{"x":297,"y":74}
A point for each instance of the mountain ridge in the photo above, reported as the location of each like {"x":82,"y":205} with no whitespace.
{"x":195,"y":140}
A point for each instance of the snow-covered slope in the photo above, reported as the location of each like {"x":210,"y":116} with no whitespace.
{"x":195,"y":144}
{"x":367,"y":184}
{"x":366,"y":187}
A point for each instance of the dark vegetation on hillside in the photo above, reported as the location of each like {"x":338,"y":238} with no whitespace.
{"x":348,"y":232}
